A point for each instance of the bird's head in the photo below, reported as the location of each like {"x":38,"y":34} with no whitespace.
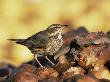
{"x":56,"y":29}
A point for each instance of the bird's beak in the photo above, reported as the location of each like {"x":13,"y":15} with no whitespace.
{"x":65,"y":25}
{"x":65,"y":28}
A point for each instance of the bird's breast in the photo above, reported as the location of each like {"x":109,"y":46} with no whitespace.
{"x":54,"y":44}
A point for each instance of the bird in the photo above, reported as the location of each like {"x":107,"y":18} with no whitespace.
{"x":44,"y":43}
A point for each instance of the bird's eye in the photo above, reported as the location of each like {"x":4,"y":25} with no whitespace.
{"x":56,"y":29}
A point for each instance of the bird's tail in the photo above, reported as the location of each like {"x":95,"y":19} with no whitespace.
{"x":19,"y":41}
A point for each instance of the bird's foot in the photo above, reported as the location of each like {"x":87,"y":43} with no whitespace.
{"x":41,"y":66}
{"x":38,"y":61}
{"x":49,"y":60}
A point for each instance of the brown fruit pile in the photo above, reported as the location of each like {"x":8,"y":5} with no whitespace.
{"x":88,"y":60}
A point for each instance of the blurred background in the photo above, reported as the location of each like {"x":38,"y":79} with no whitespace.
{"x":23,"y":18}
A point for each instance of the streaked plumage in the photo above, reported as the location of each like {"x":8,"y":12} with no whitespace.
{"x":46,"y":42}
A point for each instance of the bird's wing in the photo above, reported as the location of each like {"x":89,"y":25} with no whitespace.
{"x":37,"y":35}
{"x":38,"y":40}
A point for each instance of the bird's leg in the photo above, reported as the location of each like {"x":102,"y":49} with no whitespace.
{"x":38,"y":61}
{"x":49,"y":60}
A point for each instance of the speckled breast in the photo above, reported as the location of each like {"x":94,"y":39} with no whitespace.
{"x":54,"y":44}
